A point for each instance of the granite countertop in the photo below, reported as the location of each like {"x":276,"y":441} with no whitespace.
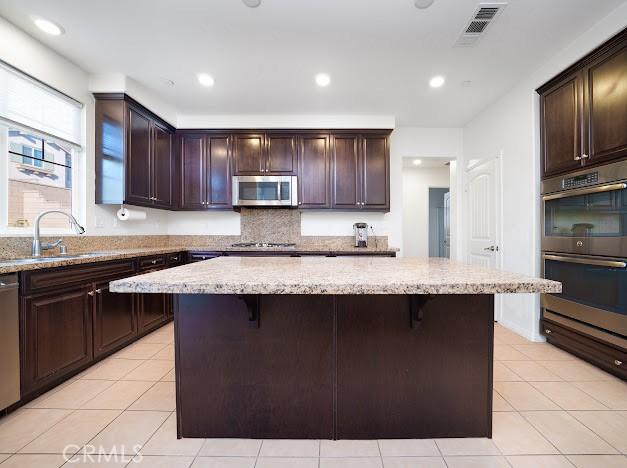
{"x":328,"y":275}
{"x":11,"y":266}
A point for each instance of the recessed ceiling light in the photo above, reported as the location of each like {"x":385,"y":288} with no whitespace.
{"x":436,"y":81}
{"x":252,"y":3}
{"x":422,"y":4}
{"x":205,"y":79}
{"x":48,"y":26}
{"x":416,"y":162}
{"x":323,"y":79}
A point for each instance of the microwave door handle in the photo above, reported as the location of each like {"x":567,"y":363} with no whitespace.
{"x":585,"y":191}
{"x":586,"y":261}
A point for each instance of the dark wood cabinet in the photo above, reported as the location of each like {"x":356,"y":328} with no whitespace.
{"x":205,"y":166}
{"x":138,"y":186}
{"x":114,"y":319}
{"x":162,"y":167}
{"x":134,"y":157}
{"x":314,"y":172}
{"x":192,"y":169}
{"x":153,"y":311}
{"x":606,"y":85}
{"x":56,"y":336}
{"x":249,"y":155}
{"x":583,"y":111}
{"x":360,"y":172}
{"x":281,"y":154}
{"x":267,"y":153}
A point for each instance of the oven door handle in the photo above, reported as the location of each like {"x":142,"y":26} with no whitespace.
{"x":585,"y":191}
{"x":585,"y":261}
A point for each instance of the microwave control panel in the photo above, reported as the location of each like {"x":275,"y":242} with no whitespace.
{"x":580,"y":180}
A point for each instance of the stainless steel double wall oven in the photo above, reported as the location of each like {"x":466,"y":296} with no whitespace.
{"x":584,"y":245}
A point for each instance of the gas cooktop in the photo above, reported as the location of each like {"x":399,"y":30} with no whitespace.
{"x":263,"y":245}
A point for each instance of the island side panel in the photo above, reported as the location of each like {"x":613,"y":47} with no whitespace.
{"x":433,"y":380}
{"x":235,"y":379}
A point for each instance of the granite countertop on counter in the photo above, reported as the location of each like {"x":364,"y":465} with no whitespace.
{"x":11,"y":265}
{"x":339,"y":275}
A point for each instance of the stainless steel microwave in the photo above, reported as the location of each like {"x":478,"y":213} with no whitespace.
{"x":585,"y":212}
{"x":265,"y":191}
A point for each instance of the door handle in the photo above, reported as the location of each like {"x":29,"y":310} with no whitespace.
{"x":586,"y":261}
{"x":492,"y":248}
{"x":585,"y":191}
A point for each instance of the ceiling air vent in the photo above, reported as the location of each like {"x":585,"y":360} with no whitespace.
{"x":483,"y":16}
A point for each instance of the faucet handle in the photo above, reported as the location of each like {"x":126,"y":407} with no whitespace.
{"x":62,"y":249}
{"x":50,"y":245}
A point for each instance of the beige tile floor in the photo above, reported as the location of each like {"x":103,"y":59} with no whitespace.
{"x":550,"y":410}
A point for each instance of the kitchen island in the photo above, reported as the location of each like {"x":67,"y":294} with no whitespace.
{"x":333,"y":348}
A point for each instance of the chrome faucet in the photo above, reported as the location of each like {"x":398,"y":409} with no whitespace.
{"x":38,"y":246}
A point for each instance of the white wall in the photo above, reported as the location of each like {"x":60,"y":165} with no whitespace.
{"x":416,"y":184}
{"x":510,"y":127}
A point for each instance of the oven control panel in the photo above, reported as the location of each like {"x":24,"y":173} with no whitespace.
{"x":580,"y":180}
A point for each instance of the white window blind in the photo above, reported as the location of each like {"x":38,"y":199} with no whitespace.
{"x":28,"y":103}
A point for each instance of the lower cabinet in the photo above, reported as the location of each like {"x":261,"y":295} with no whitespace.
{"x":57,"y":336}
{"x":69,"y":318}
{"x":153,"y":311}
{"x":114,"y":319}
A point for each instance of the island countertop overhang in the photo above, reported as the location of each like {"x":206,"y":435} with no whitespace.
{"x":339,"y":275}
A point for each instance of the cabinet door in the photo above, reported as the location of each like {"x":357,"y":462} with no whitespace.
{"x":219,"y":171}
{"x":162,"y":163}
{"x":56,"y":336}
{"x":192,"y":170}
{"x":153,"y":311}
{"x":281,"y":156}
{"x":345,"y":170}
{"x":607,"y":105}
{"x":114,"y":319}
{"x":138,"y":160}
{"x":248,"y":154}
{"x":561,"y":122}
{"x":313,"y":167}
{"x":375,"y":172}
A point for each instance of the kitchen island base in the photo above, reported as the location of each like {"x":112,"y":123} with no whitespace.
{"x":334,"y":366}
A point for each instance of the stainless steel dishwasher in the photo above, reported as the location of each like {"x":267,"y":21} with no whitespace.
{"x":9,"y":341}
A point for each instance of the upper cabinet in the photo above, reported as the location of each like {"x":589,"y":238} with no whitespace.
{"x":361,"y":172}
{"x":134,"y":158}
{"x":314,"y":171}
{"x":266,"y":153}
{"x":583,"y":111}
{"x":205,"y":168}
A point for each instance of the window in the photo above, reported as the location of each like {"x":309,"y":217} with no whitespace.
{"x":39,"y":154}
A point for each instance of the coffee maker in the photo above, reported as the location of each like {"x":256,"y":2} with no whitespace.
{"x":361,"y":234}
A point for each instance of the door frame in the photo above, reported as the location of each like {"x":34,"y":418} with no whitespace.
{"x":498,"y":217}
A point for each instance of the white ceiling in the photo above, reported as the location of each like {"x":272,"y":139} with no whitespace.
{"x":379,"y":53}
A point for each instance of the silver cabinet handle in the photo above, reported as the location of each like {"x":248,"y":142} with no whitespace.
{"x":547,"y":331}
{"x":98,"y":291}
{"x":584,"y":156}
{"x":154,"y":262}
{"x":176,"y":259}
{"x":91,"y":293}
{"x":585,"y":191}
{"x":618,"y":363}
{"x":585,"y":261}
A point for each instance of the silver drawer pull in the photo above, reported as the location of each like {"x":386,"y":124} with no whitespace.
{"x":547,"y":331}
{"x":98,"y":291}
{"x":91,"y":293}
{"x":154,"y":262}
{"x":618,"y":363}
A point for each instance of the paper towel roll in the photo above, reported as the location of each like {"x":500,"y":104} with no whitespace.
{"x":124,"y":214}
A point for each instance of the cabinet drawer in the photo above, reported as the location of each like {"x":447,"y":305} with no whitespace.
{"x":147,"y":263}
{"x":54,"y":278}
{"x":175,"y":259}
{"x":200,"y":256}
{"x":598,"y":353}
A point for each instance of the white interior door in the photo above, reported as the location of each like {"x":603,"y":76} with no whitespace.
{"x":483,"y":197}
